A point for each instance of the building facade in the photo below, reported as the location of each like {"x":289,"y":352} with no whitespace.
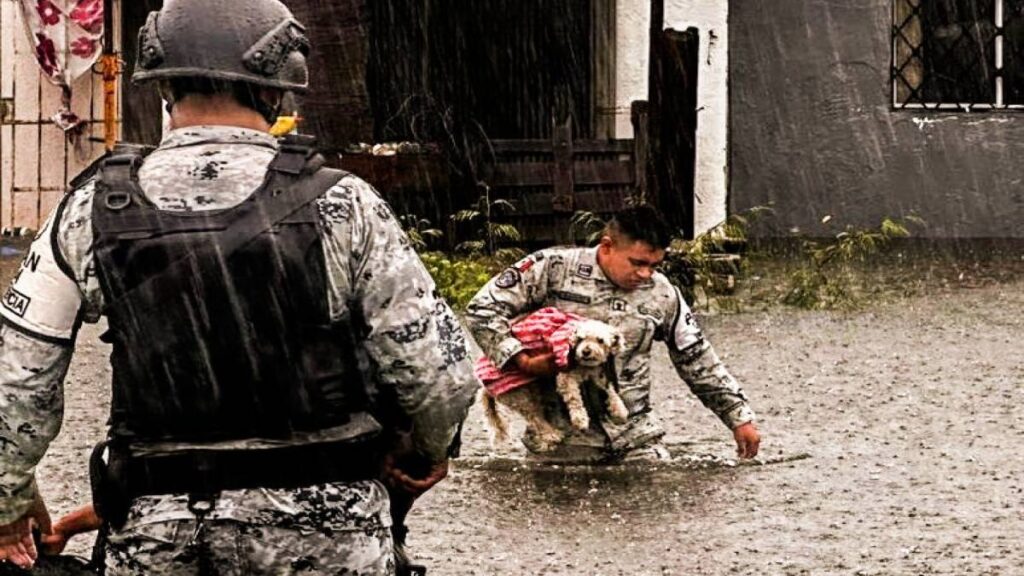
{"x":867,"y":109}
{"x":38,"y":161}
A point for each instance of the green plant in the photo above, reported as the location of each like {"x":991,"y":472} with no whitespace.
{"x":487,"y":234}
{"x":586,"y":224}
{"x":823,"y":281}
{"x":703,"y":266}
{"x":737,"y":226}
{"x":420,"y":232}
{"x":459,"y":278}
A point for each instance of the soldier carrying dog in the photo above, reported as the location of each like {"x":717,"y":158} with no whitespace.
{"x":616,"y":283}
{"x":259,"y":307}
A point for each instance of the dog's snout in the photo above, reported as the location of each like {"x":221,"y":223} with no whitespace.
{"x":586,"y":353}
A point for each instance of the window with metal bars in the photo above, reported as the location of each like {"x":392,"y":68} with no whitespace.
{"x":958,"y":54}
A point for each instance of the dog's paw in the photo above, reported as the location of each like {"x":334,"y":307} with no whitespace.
{"x":580,"y":420}
{"x":617,"y":409}
{"x":544,"y":440}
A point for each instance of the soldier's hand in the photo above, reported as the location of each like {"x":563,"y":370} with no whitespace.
{"x":54,"y":544}
{"x":747,"y":440}
{"x":400,"y":479}
{"x":542,"y":364}
{"x":76,"y":522}
{"x":16,"y":544}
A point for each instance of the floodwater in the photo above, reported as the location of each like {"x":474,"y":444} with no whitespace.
{"x":892,"y":446}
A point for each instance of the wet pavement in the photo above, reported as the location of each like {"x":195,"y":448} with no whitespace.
{"x":891,"y":446}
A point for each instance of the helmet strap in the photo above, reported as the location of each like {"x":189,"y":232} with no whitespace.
{"x":268,"y":111}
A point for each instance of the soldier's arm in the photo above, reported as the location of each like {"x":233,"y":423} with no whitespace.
{"x":518,"y":289}
{"x":697,"y":364}
{"x":40,"y":313}
{"x":413,"y":336}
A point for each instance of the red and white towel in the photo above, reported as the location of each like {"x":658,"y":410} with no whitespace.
{"x":546,"y":330}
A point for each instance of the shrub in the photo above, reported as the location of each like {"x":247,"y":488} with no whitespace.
{"x":824,"y":279}
{"x":459,"y":278}
{"x":695,"y":265}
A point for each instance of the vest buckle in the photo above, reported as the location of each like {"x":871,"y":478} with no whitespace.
{"x":117,"y":200}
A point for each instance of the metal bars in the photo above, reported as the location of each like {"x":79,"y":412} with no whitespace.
{"x":958,"y":54}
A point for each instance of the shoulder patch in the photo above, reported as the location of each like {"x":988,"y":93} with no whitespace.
{"x":507,"y":279}
{"x":525,"y":264}
{"x":16,"y":302}
{"x":584,"y":270}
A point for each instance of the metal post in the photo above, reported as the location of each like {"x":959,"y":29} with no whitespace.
{"x":111,"y":67}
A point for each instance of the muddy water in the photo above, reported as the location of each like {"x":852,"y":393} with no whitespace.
{"x":891,"y":446}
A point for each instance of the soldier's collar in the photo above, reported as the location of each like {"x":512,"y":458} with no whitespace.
{"x":587,"y":267}
{"x":193,"y":135}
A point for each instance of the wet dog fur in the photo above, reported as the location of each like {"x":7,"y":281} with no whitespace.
{"x":594,"y":345}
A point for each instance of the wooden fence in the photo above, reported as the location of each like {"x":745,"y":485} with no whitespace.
{"x":549,"y":180}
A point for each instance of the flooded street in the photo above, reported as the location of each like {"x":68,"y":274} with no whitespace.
{"x":910,"y":415}
{"x":891,"y":446}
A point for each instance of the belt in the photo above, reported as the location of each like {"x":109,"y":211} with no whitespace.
{"x":212,"y":471}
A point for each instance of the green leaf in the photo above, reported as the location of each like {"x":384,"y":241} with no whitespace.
{"x":500,"y":203}
{"x":466,"y":215}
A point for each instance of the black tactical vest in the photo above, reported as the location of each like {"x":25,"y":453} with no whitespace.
{"x":219,"y":319}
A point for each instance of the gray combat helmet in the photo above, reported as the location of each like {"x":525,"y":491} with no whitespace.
{"x":253,"y":41}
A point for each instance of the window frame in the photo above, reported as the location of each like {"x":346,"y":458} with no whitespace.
{"x":897,"y":77}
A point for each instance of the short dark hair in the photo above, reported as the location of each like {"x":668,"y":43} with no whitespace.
{"x":642,"y":223}
{"x":246,"y":94}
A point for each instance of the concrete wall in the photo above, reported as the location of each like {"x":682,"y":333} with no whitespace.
{"x":36,"y":161}
{"x":814,"y":132}
{"x":711,"y":173}
{"x":632,"y":60}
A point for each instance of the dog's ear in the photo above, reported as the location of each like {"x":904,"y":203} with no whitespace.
{"x":618,"y":343}
{"x":574,"y":337}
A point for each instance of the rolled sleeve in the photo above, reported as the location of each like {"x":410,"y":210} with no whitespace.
{"x":506,"y":351}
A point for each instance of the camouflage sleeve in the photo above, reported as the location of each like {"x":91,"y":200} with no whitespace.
{"x":413,"y":336}
{"x":698,"y":365}
{"x":517,"y":290}
{"x":40,"y":315}
{"x":31,"y":409}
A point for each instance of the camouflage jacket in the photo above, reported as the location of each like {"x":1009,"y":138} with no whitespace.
{"x":417,"y":344}
{"x":571,"y":280}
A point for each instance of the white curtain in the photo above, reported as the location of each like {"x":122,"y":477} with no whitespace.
{"x":68,"y":38}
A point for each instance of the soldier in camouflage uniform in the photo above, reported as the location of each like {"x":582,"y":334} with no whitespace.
{"x":207,"y":166}
{"x":614,"y":283}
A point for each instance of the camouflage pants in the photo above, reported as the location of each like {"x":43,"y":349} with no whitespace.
{"x":224,"y":547}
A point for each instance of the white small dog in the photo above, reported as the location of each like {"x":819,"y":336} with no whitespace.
{"x":594,"y":345}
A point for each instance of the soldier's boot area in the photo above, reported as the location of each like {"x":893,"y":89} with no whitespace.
{"x":51,"y":566}
{"x":403,"y":564}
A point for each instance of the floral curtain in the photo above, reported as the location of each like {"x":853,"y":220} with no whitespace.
{"x":67,"y":36}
